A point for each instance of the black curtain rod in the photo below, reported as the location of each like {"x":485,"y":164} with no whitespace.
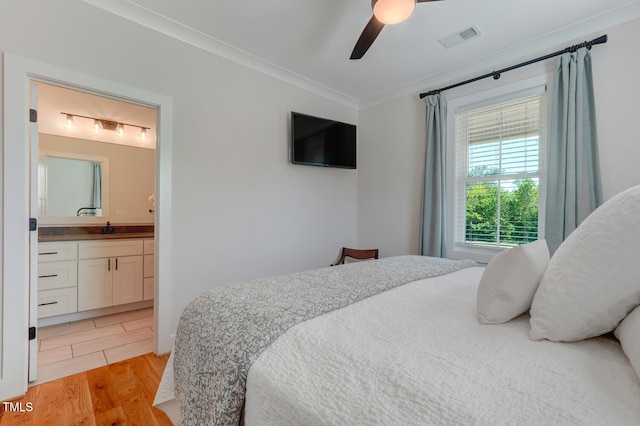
{"x":496,"y":74}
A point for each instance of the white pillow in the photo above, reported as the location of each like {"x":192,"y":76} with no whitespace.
{"x":510,"y":281}
{"x":628,"y":332}
{"x":593,"y":279}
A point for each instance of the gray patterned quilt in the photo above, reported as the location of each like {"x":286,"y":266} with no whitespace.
{"x":224,"y":330}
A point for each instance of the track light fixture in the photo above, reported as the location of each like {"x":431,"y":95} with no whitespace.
{"x":100,"y":124}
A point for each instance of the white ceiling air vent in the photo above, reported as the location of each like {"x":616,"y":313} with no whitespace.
{"x":459,"y":37}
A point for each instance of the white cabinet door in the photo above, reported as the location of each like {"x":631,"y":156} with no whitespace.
{"x":149,"y":265}
{"x":149,"y":289}
{"x":95,"y":283}
{"x":127,"y":280}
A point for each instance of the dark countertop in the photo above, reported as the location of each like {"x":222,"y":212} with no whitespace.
{"x":79,"y":237}
{"x":77,"y":233}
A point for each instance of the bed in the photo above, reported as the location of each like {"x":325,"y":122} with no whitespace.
{"x":410,"y":340}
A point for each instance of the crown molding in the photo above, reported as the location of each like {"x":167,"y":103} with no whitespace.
{"x":131,"y":11}
{"x":140,"y":15}
{"x":571,"y":34}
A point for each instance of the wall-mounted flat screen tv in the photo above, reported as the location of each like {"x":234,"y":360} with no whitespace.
{"x":321,"y":142}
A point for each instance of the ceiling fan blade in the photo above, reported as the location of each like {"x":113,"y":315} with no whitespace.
{"x":369,"y":34}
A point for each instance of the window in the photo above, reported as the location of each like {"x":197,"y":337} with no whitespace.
{"x":498,"y":166}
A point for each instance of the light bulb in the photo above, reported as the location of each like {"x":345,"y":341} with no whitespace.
{"x":392,"y":11}
{"x":143,"y":133}
{"x":97,"y":126}
{"x":69,"y":121}
{"x":120,"y":129}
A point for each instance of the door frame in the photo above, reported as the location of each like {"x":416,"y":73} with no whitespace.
{"x":18,"y":72}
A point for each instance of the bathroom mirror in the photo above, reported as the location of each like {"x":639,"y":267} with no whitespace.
{"x":72,"y":185}
{"x":127,"y":178}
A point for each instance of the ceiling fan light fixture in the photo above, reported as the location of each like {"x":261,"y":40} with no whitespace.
{"x":392,"y":11}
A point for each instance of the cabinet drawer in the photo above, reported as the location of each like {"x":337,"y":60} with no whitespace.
{"x":149,"y":246}
{"x":53,"y":275}
{"x":148,"y":288}
{"x":149,"y":265}
{"x":96,"y":249}
{"x":54,"y":251}
{"x":57,"y":302}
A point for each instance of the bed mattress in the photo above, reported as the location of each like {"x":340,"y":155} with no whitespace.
{"x":416,"y":355}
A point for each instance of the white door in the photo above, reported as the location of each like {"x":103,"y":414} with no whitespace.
{"x":14,"y":292}
{"x":33,"y":234}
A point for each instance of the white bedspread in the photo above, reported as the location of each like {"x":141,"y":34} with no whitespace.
{"x":416,"y":355}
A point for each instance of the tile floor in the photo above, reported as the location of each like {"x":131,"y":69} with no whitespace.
{"x":78,"y":346}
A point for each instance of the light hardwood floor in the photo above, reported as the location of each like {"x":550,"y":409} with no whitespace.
{"x":78,"y":346}
{"x":116,"y":394}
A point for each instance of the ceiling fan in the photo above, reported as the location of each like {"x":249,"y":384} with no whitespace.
{"x":384,"y":12}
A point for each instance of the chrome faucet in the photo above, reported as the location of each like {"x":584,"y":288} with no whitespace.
{"x":80,"y":211}
{"x":108,"y":229}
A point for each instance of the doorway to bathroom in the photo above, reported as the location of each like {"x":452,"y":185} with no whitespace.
{"x":19,"y":303}
{"x":95,"y":171}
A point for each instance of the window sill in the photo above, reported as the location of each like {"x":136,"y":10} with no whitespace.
{"x":481,"y":254}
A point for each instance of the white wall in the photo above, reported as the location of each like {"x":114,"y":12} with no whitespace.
{"x":392,"y":140}
{"x":391,"y":156}
{"x":617,"y":90}
{"x":240,"y":210}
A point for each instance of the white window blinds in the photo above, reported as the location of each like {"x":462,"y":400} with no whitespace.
{"x":499,"y":151}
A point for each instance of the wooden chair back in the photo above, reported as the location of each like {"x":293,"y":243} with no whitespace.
{"x":358,"y":254}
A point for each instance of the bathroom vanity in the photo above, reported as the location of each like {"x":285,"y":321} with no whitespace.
{"x":84,"y":273}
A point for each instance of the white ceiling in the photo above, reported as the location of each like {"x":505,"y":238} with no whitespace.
{"x":308,"y":42}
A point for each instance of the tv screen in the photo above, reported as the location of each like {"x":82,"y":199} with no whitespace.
{"x":320,"y":142}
